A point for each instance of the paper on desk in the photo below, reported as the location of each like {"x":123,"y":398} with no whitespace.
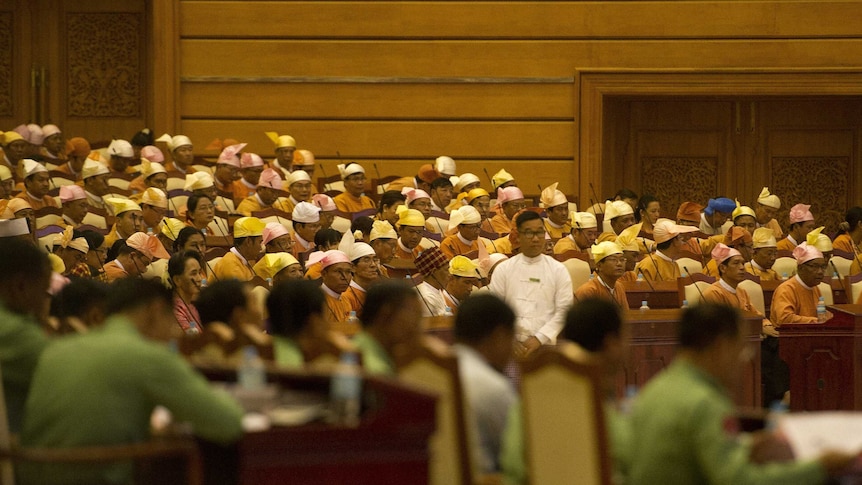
{"x":811,"y":434}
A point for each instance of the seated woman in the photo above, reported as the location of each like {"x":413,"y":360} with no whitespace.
{"x":185,"y":276}
{"x":200,"y":214}
{"x":300,"y":330}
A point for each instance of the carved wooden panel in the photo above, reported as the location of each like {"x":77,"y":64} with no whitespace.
{"x":6,"y":71}
{"x":674,"y":180}
{"x":104,"y":64}
{"x":819,"y":181}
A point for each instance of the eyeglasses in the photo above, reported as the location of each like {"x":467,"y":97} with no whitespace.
{"x":532,"y":234}
{"x":472,"y":227}
{"x":816,"y":267}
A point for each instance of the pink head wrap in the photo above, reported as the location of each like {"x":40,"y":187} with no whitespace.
{"x":805,"y":253}
{"x":228,"y":155}
{"x":508,"y":194}
{"x":413,"y":194}
{"x":249,"y":160}
{"x":800,"y":213}
{"x":333,"y":256}
{"x":270,"y":178}
{"x":721,"y":253}
{"x":150,"y":246}
{"x":325,"y":202}
{"x":152,"y":154}
{"x":272,"y":231}
{"x":68,"y":193}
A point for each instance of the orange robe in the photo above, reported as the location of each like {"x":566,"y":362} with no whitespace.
{"x":231,"y":266}
{"x":453,"y":246}
{"x":717,"y":293}
{"x":355,"y":297}
{"x":656,"y":268}
{"x":285,"y":204}
{"x":502,"y":245}
{"x":765,"y":275}
{"x":502,"y":224}
{"x":594,"y":288}
{"x":399,"y":184}
{"x":402,"y":252}
{"x":336,"y":313}
{"x":350,"y":204}
{"x":606,"y":236}
{"x":45,"y":201}
{"x":298,"y":246}
{"x":711,"y":268}
{"x":794,"y":303}
{"x":786,"y":244}
{"x":844,"y":243}
{"x":776,"y":228}
{"x":314,"y":272}
{"x":566,"y":244}
{"x":628,"y":276}
{"x":138,"y":184}
{"x":241,"y":190}
{"x":67,"y":169}
{"x":114,"y":271}
{"x":248,"y":205}
{"x":556,"y":232}
{"x":172,"y":167}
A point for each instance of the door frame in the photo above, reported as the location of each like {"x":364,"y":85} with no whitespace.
{"x":594,"y":85}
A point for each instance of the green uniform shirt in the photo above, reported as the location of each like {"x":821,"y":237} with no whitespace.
{"x":683,"y":432}
{"x":21,"y":344}
{"x":375,"y":360}
{"x":287,"y":352}
{"x":100,"y":388}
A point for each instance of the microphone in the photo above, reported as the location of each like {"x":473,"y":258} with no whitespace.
{"x":593,"y":190}
{"x":377,"y":171}
{"x":489,"y":178}
{"x":326,"y":186}
{"x":657,"y":273}
{"x":836,"y":272}
{"x":641,"y":272}
{"x":690,"y":277}
{"x":421,"y":296}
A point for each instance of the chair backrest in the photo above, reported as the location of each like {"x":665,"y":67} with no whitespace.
{"x":341,"y":224}
{"x":176,"y":183}
{"x":564,"y":430}
{"x":119,"y":183}
{"x":692,"y":286}
{"x":785,"y":266}
{"x":436,"y":370}
{"x":842,"y":265}
{"x":692,"y":264}
{"x":60,"y":179}
{"x":755,"y":294}
{"x":579,"y":271}
{"x":826,"y":293}
{"x":853,"y":287}
{"x":219,"y":227}
{"x":95,"y":219}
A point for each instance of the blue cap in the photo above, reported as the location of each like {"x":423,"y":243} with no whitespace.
{"x":720,"y":204}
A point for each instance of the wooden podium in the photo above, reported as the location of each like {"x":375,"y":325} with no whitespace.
{"x":825,"y":361}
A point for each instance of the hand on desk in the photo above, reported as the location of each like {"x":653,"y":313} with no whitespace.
{"x":769,"y":330}
{"x":825,"y":317}
{"x":527,"y":347}
{"x":768,"y":447}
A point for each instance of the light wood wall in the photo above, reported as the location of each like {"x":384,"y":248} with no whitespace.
{"x":492,"y":84}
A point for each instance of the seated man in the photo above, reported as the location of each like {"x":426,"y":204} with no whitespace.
{"x":628,"y":241}
{"x":250,"y":168}
{"x":765,"y":210}
{"x":353,"y":198}
{"x":736,"y":238}
{"x":510,"y":200}
{"x":239,"y":262}
{"x":327,"y":209}
{"x":298,"y":184}
{"x":77,"y":150}
{"x":153,"y":174}
{"x":557,"y":207}
{"x":661,"y":266}
{"x":466,"y":221}
{"x":795,"y":300}
{"x":129,"y":219}
{"x":285,"y":147}
{"x":306,"y":223}
{"x":336,"y":274}
{"x":502,"y":179}
{"x":268,"y":189}
{"x":463,"y":277}
{"x":582,"y":234}
{"x":801,"y":223}
{"x":434,"y":268}
{"x":154,"y":206}
{"x":384,"y":240}
{"x":134,"y":256}
{"x":95,"y":176}
{"x":75,"y":206}
{"x":122,"y":158}
{"x":621,"y":215}
{"x":104,"y":380}
{"x":691,"y":401}
{"x":411,"y":225}
{"x":24,"y":277}
{"x":726,"y":291}
{"x":422,"y":180}
{"x":744,"y":217}
{"x":715,"y":214}
{"x":484,"y":333}
{"x":610,"y":267}
{"x":277,"y":267}
{"x":441,"y":194}
{"x":445,"y":166}
{"x":227,"y":168}
{"x":37,"y":184}
{"x":391,"y":326}
{"x":182,"y":152}
{"x":764,"y":252}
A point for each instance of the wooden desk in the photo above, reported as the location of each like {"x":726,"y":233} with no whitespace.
{"x":825,"y":361}
{"x":653,"y":344}
{"x":389,"y":446}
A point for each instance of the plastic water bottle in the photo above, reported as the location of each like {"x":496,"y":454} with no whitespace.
{"x":448,"y":312}
{"x":684,"y":304}
{"x":644,"y":306}
{"x":345,"y":391}
{"x":821,"y":309}
{"x":269,"y":282}
{"x":776,"y":410}
{"x":252,"y":372}
{"x":592,"y":275}
{"x":149,"y":231}
{"x":203,"y":282}
{"x":640,"y":277}
{"x":352,"y":318}
{"x":784,"y":276}
{"x":628,"y":401}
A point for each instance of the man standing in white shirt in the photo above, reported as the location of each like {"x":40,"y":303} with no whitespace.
{"x":536,"y":286}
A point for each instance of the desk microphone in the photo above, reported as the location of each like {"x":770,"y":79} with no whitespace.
{"x":693,"y":282}
{"x":655,"y":265}
{"x":651,"y":287}
{"x":489,"y":179}
{"x":421,"y":296}
{"x":836,"y":272}
{"x":593,"y":190}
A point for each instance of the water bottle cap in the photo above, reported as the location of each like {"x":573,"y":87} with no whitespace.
{"x":352,"y":313}
{"x":643,"y":303}
{"x":351,"y":358}
{"x":249,"y":351}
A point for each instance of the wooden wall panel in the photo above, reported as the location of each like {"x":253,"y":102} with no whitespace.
{"x":310,"y":100}
{"x":425,"y":58}
{"x":520,"y":19}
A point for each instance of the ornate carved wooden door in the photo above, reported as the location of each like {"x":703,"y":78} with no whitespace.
{"x":81,"y":64}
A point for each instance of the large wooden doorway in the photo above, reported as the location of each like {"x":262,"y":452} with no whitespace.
{"x":80,"y":64}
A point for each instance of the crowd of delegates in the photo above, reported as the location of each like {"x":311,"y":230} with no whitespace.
{"x":311,"y":275}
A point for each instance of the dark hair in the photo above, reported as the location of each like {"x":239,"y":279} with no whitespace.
{"x":185,"y":234}
{"x":385,"y":295}
{"x":192,"y":204}
{"x":590,"y":321}
{"x":131,"y":293}
{"x":390,"y":198}
{"x":478,"y":317}
{"x":78,"y":297}
{"x":118,"y":248}
{"x":327,"y":236}
{"x":362,"y":223}
{"x":626,"y":194}
{"x":851,"y":219}
{"x":664,"y":245}
{"x":524,"y":217}
{"x":94,"y":239}
{"x":441,"y":182}
{"x":291,"y":303}
{"x":177,"y":263}
{"x":143,"y":138}
{"x":217,"y":302}
{"x":643,"y":203}
{"x":703,"y":324}
{"x":19,"y":258}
